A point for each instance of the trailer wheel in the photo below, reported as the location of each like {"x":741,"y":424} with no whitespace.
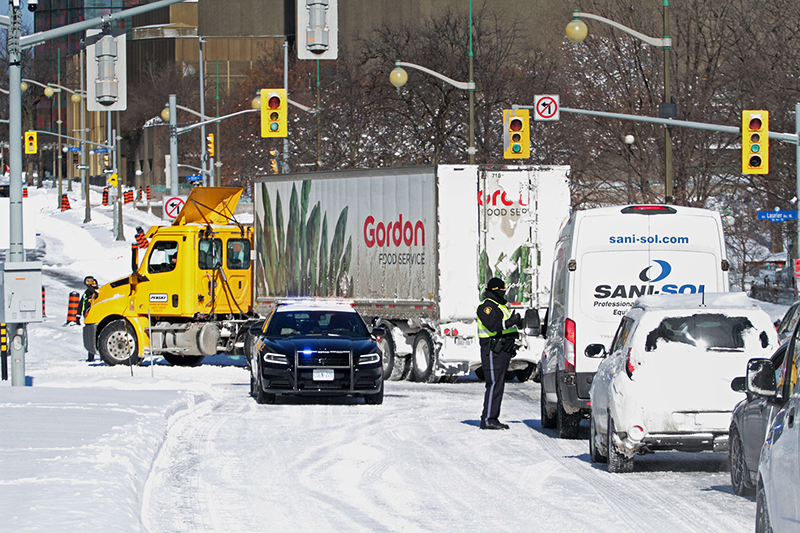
{"x":394,"y":367}
{"x":526,"y":373}
{"x":423,"y":358}
{"x":183,"y":360}
{"x":117,"y":344}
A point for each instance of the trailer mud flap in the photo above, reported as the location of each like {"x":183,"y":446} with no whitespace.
{"x":455,"y":368}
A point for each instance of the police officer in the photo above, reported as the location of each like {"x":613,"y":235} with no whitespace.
{"x":497,"y":331}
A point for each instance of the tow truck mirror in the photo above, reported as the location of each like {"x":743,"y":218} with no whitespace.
{"x":531,"y":324}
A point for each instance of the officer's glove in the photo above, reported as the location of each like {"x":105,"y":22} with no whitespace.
{"x":514,"y":320}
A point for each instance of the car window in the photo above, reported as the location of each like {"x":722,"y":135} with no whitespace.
{"x":163,"y":257}
{"x":315,"y":323}
{"x":789,"y":320}
{"x":712,"y":331}
{"x":623,"y":331}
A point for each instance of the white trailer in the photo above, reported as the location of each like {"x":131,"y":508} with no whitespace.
{"x":412,"y":249}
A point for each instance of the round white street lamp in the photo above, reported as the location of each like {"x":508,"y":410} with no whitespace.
{"x":398,"y":77}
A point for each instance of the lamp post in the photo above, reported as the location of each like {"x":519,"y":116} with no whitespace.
{"x":398,"y":77}
{"x":576,"y":31}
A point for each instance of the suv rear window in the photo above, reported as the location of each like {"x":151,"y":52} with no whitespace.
{"x":714,"y":332}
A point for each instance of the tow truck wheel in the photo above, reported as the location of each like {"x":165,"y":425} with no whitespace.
{"x":117,"y":344}
{"x":183,"y":360}
{"x":423,"y":358}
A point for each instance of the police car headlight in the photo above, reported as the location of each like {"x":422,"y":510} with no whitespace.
{"x":271,"y":357}
{"x":369,"y":358}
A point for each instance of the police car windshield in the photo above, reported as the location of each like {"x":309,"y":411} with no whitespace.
{"x":316,"y":323}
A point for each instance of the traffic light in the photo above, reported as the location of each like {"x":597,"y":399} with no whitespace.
{"x":105,"y":161}
{"x":210,"y":144}
{"x":273,"y":112}
{"x":516,"y":134}
{"x":755,"y":142}
{"x":31,"y":144}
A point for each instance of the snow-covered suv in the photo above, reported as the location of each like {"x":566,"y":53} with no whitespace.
{"x":665,"y":383}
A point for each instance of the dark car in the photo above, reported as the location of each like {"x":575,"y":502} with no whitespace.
{"x":749,"y":423}
{"x":323,"y":349}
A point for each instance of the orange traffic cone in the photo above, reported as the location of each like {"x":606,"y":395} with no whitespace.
{"x":64,"y":202}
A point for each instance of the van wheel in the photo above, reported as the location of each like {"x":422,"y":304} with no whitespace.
{"x":594,"y":454}
{"x":548,"y":422}
{"x":183,"y":360}
{"x":117,"y":344}
{"x":618,"y":463}
{"x":566,"y":424}
{"x":423,"y":358}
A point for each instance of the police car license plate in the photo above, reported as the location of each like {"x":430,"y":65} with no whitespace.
{"x":323,"y":374}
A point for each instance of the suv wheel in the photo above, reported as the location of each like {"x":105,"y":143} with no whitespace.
{"x":618,"y":463}
{"x":738,"y":466}
{"x":762,"y":514}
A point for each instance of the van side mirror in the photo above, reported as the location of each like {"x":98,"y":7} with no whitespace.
{"x":761,"y":378}
{"x":595,"y":350}
{"x":739,"y":384}
{"x":531,"y":324}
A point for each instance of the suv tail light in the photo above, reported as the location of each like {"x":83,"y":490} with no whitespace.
{"x":569,"y":345}
{"x":630,"y":366}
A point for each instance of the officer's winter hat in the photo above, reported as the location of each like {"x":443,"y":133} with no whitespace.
{"x":496,"y":285}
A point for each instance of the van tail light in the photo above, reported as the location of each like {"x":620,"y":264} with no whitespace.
{"x":569,"y":345}
{"x":630,"y":366}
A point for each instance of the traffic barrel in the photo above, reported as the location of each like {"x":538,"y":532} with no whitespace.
{"x":141,"y":240}
{"x":148,"y":193}
{"x":24,"y":192}
{"x":64,"y":202}
{"x":72,"y":310}
{"x":105,"y":195}
{"x":43,"y":313}
{"x":4,"y":351}
{"x":128,"y":196}
{"x":139,"y":197}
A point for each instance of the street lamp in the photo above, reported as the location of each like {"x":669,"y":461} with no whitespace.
{"x":576,"y":31}
{"x":398,"y":77}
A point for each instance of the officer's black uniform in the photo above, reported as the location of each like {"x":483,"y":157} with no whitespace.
{"x":497,"y":330}
{"x":86,"y":300}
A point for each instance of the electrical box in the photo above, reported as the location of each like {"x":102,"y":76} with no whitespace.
{"x":21,"y":289}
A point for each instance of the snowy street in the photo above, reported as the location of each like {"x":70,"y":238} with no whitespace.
{"x":90,"y":447}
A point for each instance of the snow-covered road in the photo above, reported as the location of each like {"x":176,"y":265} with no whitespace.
{"x":416,"y":463}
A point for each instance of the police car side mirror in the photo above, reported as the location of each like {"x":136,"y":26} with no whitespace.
{"x":531,"y":324}
{"x":378,"y":332}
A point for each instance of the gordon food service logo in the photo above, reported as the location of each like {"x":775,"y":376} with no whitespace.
{"x":498,"y":203}
{"x":395,"y":233}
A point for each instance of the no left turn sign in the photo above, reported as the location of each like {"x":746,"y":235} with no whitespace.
{"x":546,"y":107}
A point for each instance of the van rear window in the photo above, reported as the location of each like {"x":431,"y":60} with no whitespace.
{"x":714,"y":332}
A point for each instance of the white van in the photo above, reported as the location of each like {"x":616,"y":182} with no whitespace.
{"x":604,"y":259}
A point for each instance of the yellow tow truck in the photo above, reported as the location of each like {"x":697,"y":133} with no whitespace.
{"x":192,"y":294}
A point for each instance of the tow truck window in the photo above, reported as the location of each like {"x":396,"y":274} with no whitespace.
{"x":163,"y":257}
{"x":238,"y":256}
{"x":209,"y":254}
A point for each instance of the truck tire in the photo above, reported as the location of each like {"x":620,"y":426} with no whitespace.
{"x":394,"y":368}
{"x":183,"y":360}
{"x":117,"y":344}
{"x":548,"y":422}
{"x":526,"y":373}
{"x":423,"y":358}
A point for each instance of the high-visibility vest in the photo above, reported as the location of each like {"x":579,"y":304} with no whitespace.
{"x":484,"y":333}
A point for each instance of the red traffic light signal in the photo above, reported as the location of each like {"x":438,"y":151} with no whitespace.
{"x":274,"y":109}
{"x":755,"y":142}
{"x":31,"y":144}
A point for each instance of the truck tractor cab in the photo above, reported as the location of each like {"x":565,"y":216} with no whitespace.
{"x":191,"y":294}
